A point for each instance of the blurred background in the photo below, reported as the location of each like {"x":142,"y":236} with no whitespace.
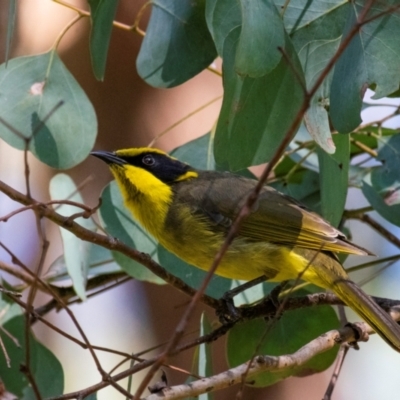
{"x":130,"y":113}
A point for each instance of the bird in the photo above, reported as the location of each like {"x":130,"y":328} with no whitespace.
{"x":190,"y":211}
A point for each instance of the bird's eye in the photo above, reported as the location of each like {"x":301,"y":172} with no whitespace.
{"x":148,"y":160}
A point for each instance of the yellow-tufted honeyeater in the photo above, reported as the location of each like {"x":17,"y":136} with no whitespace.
{"x":190,"y":211}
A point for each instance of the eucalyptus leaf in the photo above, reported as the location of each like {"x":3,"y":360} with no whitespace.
{"x":303,"y":185}
{"x":334,"y":179}
{"x":102,"y":14}
{"x":316,"y":44}
{"x":382,"y":186}
{"x":255,"y":113}
{"x":76,"y":251}
{"x":12,"y":14}
{"x":377,"y":201}
{"x":202,"y":359}
{"x":199,"y":154}
{"x":299,"y":14}
{"x":306,"y":154}
{"x":317,"y":123}
{"x":45,"y":368}
{"x":371,"y":58}
{"x":101,"y":262}
{"x":257,"y":51}
{"x":9,"y":309}
{"x":386,"y":178}
{"x":222,"y":17}
{"x":30,"y":87}
{"x":177,"y":45}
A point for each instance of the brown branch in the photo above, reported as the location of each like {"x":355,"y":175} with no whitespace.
{"x":105,"y":241}
{"x":379,"y":228}
{"x":338,"y":367}
{"x":262,"y":363}
{"x":291,"y":304}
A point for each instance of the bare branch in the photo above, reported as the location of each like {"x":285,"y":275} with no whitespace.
{"x":265,"y":363}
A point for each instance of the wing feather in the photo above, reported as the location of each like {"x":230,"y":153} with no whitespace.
{"x":275,"y":217}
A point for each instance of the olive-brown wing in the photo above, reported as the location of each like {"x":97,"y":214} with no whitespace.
{"x":275,"y":217}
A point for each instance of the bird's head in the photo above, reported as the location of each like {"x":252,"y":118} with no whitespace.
{"x":145,"y":168}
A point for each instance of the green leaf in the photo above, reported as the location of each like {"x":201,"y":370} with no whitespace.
{"x":202,"y":359}
{"x":117,"y":221}
{"x":317,"y":123}
{"x":382,"y":186}
{"x":386,"y":179}
{"x":302,"y":185}
{"x":316,"y":44}
{"x":334,"y":179}
{"x":257,"y":51}
{"x":198,"y":152}
{"x":177,"y":45}
{"x":102,"y":14}
{"x":76,"y":251}
{"x":255,"y":113}
{"x":389,"y":212}
{"x":30,"y":87}
{"x":101,"y":262}
{"x":307,"y":155}
{"x":44,"y":366}
{"x":8,"y":308}
{"x":12,"y":14}
{"x":287,"y":334}
{"x":372,"y":57}
{"x":300,"y":14}
{"x":222,"y":17}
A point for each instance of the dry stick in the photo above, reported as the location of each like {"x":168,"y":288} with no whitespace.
{"x":373,"y":263}
{"x":364,"y":147}
{"x":292,"y":304}
{"x":4,"y":350}
{"x":379,"y":228}
{"x":252,"y":198}
{"x":234,"y":375}
{"x":16,"y":272}
{"x":64,"y":293}
{"x":134,"y":27}
{"x":29,"y":309}
{"x":31,"y":297}
{"x":45,"y":243}
{"x":26,"y":368}
{"x":335,"y":375}
{"x":264,"y":363}
{"x":186,"y":117}
{"x":37,"y":316}
{"x":60,"y":202}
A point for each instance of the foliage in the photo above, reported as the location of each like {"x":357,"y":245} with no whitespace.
{"x":289,"y":70}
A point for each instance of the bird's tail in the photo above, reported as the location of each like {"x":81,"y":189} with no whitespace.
{"x":379,"y":320}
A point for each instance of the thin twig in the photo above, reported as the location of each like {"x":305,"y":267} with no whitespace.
{"x":105,"y":241}
{"x":379,"y":228}
{"x":151,"y":144}
{"x":344,"y":348}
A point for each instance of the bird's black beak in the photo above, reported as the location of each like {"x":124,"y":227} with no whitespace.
{"x":108,"y":157}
